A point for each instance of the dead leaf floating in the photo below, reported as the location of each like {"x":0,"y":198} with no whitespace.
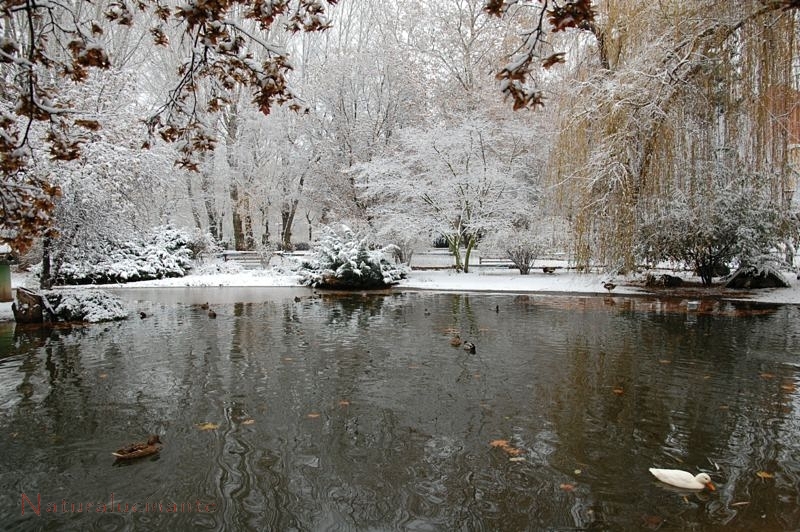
{"x":207,"y":426}
{"x":764,"y":475}
{"x":506,"y":447}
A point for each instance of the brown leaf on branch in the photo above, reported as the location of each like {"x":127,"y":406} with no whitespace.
{"x":788,"y":4}
{"x":553,"y":59}
{"x":159,"y":37}
{"x":574,"y":14}
{"x":494,"y":7}
{"x":91,"y":125}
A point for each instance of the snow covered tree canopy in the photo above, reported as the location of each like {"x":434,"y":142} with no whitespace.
{"x":650,"y":94}
{"x":461,"y":181}
{"x":47,"y":46}
{"x":680,"y":90}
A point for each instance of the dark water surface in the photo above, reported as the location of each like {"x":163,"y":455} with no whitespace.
{"x":354,"y":412}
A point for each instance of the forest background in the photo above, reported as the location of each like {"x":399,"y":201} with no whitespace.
{"x":617,"y":131}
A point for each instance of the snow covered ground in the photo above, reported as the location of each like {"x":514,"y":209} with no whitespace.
{"x":481,"y":279}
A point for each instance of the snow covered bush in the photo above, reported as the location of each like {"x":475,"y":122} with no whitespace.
{"x":520,"y":244}
{"x":343,"y":260}
{"x":733,"y":224}
{"x":164,"y":252}
{"x":202,"y":242}
{"x":86,"y":305}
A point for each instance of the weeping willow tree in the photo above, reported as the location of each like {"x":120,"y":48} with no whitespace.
{"x":669,"y":93}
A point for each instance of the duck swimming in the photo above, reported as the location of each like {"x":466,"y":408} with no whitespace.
{"x":683,"y":479}
{"x":139,"y":450}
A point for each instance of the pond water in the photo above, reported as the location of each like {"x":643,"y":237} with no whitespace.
{"x":354,"y":412}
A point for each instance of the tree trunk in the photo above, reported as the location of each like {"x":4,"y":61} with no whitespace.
{"x":214,"y":221}
{"x":265,"y":218}
{"x":471,"y":241}
{"x":706,"y":271}
{"x":238,"y":225}
{"x":454,"y":244}
{"x":192,"y":204}
{"x":288,"y":212}
{"x":247,"y":221}
{"x":309,"y":220}
{"x":45,"y":279}
{"x":287,"y":219}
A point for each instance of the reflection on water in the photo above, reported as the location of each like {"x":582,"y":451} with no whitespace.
{"x":355,"y":412}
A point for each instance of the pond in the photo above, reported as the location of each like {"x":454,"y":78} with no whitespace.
{"x":300,"y":411}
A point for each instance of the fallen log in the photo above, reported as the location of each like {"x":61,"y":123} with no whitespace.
{"x":32,"y":307}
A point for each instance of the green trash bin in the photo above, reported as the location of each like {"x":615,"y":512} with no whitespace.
{"x":5,"y":281}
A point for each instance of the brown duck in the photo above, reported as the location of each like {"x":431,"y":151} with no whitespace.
{"x":139,"y":450}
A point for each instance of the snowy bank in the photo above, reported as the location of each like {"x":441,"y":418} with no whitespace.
{"x":484,"y":280}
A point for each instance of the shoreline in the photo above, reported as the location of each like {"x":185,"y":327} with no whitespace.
{"x":487,"y":281}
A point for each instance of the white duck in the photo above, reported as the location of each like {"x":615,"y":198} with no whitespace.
{"x":683,"y":479}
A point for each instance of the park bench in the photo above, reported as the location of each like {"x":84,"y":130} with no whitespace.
{"x":250,"y":260}
{"x":497,"y":261}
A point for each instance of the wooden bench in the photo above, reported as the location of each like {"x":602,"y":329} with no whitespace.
{"x":502,"y":262}
{"x":251,"y":260}
{"x":496,"y":261}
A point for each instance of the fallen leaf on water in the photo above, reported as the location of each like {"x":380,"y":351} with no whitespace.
{"x":248,"y":421}
{"x":767,"y":375}
{"x":665,"y":361}
{"x":577,"y":471}
{"x":312,"y":415}
{"x":567,"y":487}
{"x":764,"y":475}
{"x":618,"y":390}
{"x":652,"y":522}
{"x":506,"y":446}
{"x":207,"y":426}
{"x":788,"y":387}
{"x":517,"y":459}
